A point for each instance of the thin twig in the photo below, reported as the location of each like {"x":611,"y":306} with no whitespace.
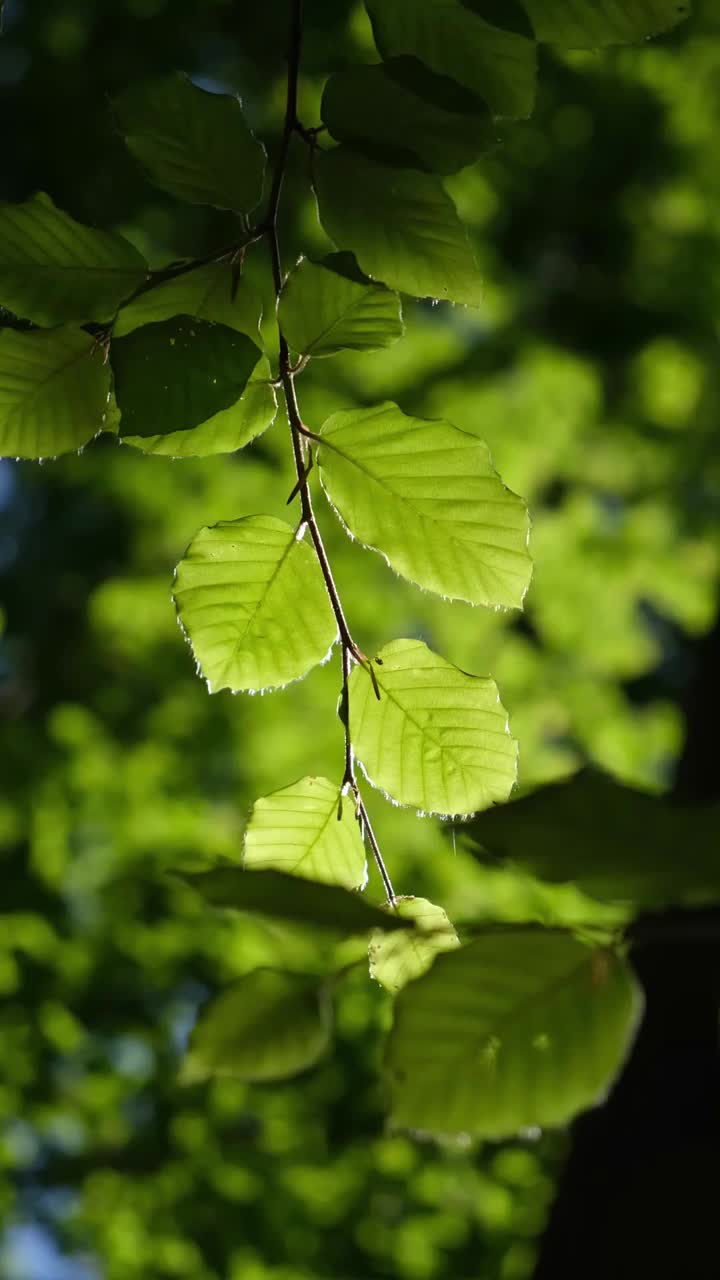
{"x":226,"y":254}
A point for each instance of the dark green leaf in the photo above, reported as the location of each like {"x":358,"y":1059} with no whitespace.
{"x":206,"y":293}
{"x":194,"y":144}
{"x":174,"y":375}
{"x":54,"y":392}
{"x":267,"y":1026}
{"x":400,"y":104}
{"x":518,"y":1029}
{"x":54,"y":270}
{"x":587,"y":24}
{"x":328,"y":307}
{"x":400,"y":224}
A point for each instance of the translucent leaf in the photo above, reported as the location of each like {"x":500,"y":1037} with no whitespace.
{"x":425,"y":495}
{"x":290,"y":898}
{"x":329,"y":306}
{"x":499,"y":66}
{"x":437,"y":738}
{"x":646,"y":850}
{"x":175,"y":374}
{"x":588,"y":24}
{"x":54,"y":390}
{"x":208,"y":293}
{"x":400,"y":224}
{"x":194,"y":144}
{"x":252,"y":600}
{"x":54,"y":270}
{"x":519,"y":1029}
{"x":267,"y":1026}
{"x":402,"y":105}
{"x":306,"y":830}
{"x":399,"y":958}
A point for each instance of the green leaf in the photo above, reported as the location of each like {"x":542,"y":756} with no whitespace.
{"x":267,"y":1026}
{"x":308,"y":830}
{"x":54,"y":270}
{"x":290,"y":898}
{"x":193,"y":144}
{"x":329,"y":306}
{"x":400,"y":224}
{"x":588,"y":24}
{"x":646,"y":850}
{"x":253,"y":603}
{"x":207,"y":293}
{"x":426,"y":497}
{"x":402,"y":105}
{"x":175,"y":374}
{"x":54,"y":392}
{"x":437,"y":738}
{"x":400,"y":958}
{"x":518,"y":1029}
{"x":499,"y":66}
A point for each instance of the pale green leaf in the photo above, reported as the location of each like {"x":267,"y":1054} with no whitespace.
{"x":267,"y":1026}
{"x":54,"y":389}
{"x":499,"y":66}
{"x":193,"y":144}
{"x":401,"y":225}
{"x":253,"y":603}
{"x":307,"y":830}
{"x":53,"y":270}
{"x":293,"y":899}
{"x":425,"y":495}
{"x":175,"y":374}
{"x":329,"y":306}
{"x":437,"y":738}
{"x":520,"y":1029}
{"x":587,"y":24}
{"x":400,"y":958}
{"x":402,"y":105}
{"x":209,"y":293}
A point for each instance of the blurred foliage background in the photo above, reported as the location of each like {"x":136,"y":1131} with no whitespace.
{"x":592,"y":372}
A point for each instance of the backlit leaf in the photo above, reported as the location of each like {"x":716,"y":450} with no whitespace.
{"x":329,"y":306}
{"x":587,"y":24}
{"x":437,"y":738}
{"x":252,"y":600}
{"x":53,"y":270}
{"x":425,"y":495}
{"x":54,"y":389}
{"x":520,"y":1029}
{"x":206,"y":293}
{"x":305,"y":830}
{"x":399,"y":958}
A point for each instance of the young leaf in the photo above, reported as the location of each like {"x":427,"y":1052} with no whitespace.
{"x":295,"y":900}
{"x":499,"y":66}
{"x":646,"y":850}
{"x":54,"y":392}
{"x":193,"y":144}
{"x":252,"y":600}
{"x":402,"y":105}
{"x":426,"y":497}
{"x":520,"y":1028}
{"x":175,"y":374}
{"x":53,"y":270}
{"x":590,"y":24}
{"x":329,"y":306}
{"x":400,"y":958}
{"x":206,"y":293}
{"x":267,"y":1026}
{"x":308,"y":830}
{"x":437,"y":738}
{"x":400,"y":224}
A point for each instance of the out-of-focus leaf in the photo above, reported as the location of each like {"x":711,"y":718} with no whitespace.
{"x":425,"y":495}
{"x":176,"y":374}
{"x":519,"y":1029}
{"x":329,"y":306}
{"x":54,"y":390}
{"x":267,"y":1026}
{"x":399,"y":958}
{"x":252,"y":600}
{"x":307,"y":830}
{"x":437,"y":738}
{"x":54,"y":270}
{"x":588,"y":24}
{"x":206,"y":293}
{"x":194,"y":144}
{"x":400,"y":224}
